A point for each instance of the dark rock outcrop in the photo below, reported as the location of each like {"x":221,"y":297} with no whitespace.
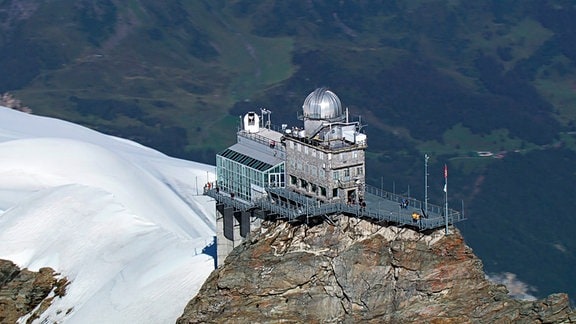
{"x":356,"y":271}
{"x":22,"y":291}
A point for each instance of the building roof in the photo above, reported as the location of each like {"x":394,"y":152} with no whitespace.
{"x":322,"y":104}
{"x":270,"y":134}
{"x":251,"y":157}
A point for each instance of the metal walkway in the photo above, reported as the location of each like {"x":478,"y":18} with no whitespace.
{"x":381,"y":206}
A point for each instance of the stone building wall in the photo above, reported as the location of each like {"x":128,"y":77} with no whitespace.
{"x":315,"y":166}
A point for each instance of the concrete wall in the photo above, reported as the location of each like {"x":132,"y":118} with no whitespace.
{"x":232,"y":228}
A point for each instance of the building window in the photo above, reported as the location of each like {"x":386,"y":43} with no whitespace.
{"x":293,"y":180}
{"x":335,"y":175}
{"x":360,"y":170}
{"x":322,"y":191}
{"x":335,"y":192}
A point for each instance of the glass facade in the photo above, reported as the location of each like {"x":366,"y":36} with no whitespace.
{"x":240,"y":174}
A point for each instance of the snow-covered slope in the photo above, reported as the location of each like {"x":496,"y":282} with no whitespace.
{"x":124,"y":223}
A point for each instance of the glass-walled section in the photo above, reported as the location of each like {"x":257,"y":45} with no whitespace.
{"x":244,"y":181}
{"x":276,"y":176}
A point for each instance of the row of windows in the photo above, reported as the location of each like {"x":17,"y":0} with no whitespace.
{"x":307,"y":150}
{"x":232,"y":181}
{"x":237,"y":178}
{"x":345,"y":174}
{"x":308,"y":186}
{"x":343,"y":156}
{"x":312,"y":170}
{"x":315,"y":171}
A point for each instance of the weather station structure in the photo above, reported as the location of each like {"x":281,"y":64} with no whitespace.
{"x":304,"y":174}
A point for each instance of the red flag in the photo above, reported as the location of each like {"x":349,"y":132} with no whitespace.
{"x":445,"y":171}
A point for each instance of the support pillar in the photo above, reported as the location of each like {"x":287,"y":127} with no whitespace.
{"x":232,"y":227}
{"x":236,"y":223}
{"x":224,"y":232}
{"x":245,"y":218}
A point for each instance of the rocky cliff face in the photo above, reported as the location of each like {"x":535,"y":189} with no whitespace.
{"x":356,"y":271}
{"x":24,"y":291}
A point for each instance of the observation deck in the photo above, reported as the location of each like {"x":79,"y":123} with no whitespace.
{"x":380,"y":207}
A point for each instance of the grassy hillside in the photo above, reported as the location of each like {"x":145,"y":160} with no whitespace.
{"x":162,"y":74}
{"x":443,"y":78}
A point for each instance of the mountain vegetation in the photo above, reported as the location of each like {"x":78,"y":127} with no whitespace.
{"x":443,"y":78}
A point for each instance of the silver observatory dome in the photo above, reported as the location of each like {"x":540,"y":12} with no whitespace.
{"x":322,"y":104}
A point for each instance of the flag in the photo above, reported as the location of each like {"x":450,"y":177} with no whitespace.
{"x":445,"y":178}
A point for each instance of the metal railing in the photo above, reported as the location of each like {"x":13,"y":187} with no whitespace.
{"x":414,"y":203}
{"x":261,"y":139}
{"x":386,"y":208}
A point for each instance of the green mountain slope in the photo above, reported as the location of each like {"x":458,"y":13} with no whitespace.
{"x":445,"y":78}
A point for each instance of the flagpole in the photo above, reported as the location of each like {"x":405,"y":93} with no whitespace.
{"x":426,"y":157}
{"x":446,"y":196}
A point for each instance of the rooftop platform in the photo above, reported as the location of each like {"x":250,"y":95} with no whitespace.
{"x":381,"y":207}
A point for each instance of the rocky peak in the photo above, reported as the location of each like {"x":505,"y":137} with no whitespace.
{"x":352,"y":270}
{"x":25,"y":292}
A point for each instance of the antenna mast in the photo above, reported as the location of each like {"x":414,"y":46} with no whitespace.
{"x":446,"y":195}
{"x":426,"y":157}
{"x":265,"y":111}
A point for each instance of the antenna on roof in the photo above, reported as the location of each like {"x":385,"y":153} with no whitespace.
{"x":265,"y":111}
{"x":446,"y":194}
{"x":426,"y":157}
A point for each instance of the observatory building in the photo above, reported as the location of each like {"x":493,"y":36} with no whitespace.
{"x":325,"y":160}
{"x":298,"y":173}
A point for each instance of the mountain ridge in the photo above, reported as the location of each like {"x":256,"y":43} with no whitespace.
{"x":446,"y":79}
